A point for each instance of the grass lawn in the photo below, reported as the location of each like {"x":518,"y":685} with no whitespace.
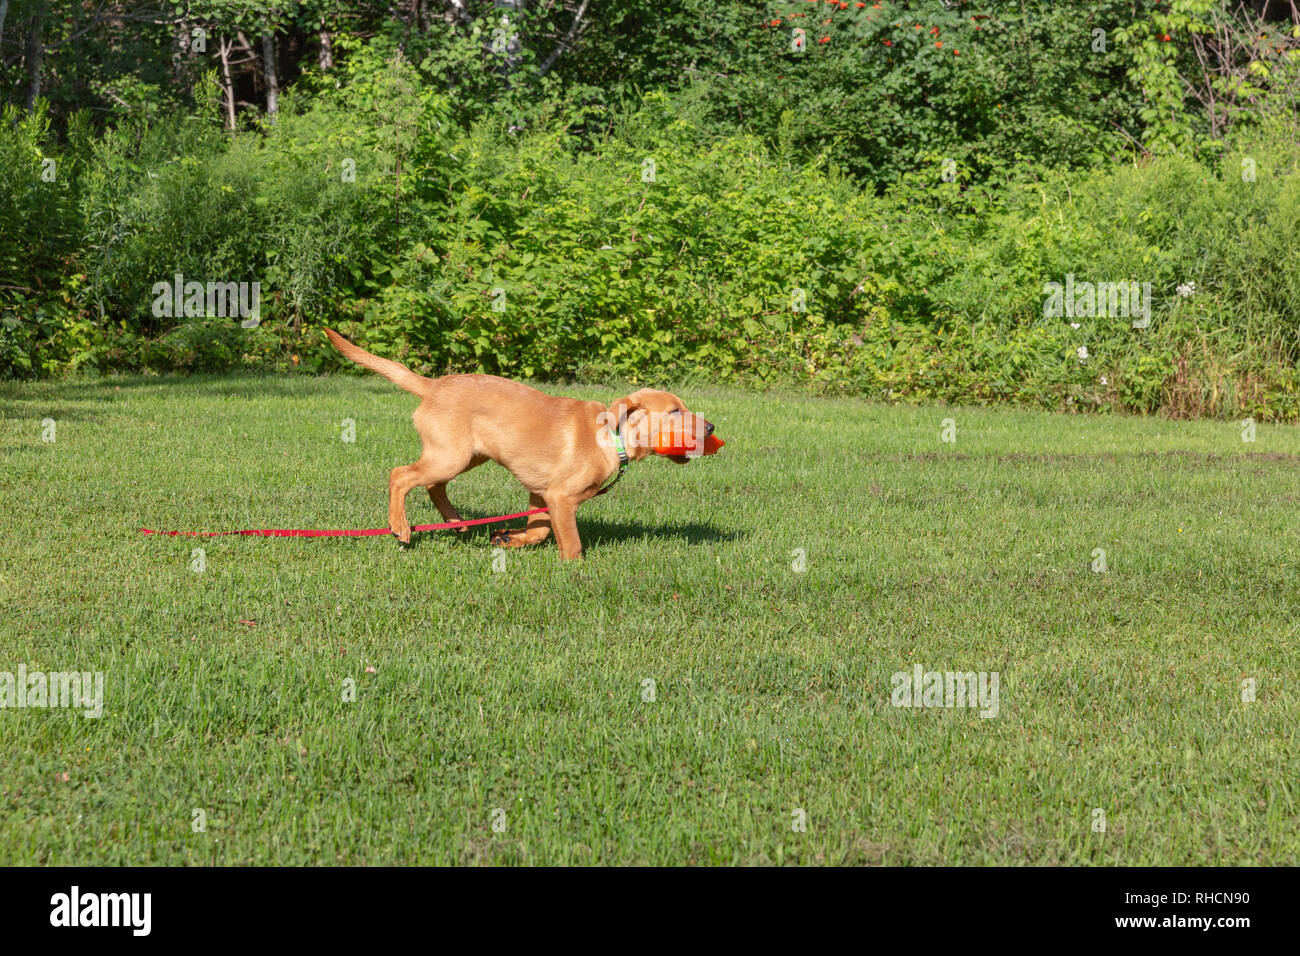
{"x":523,"y":690}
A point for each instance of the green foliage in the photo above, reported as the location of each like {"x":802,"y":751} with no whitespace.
{"x":881,"y":88}
{"x":39,"y":232}
{"x":855,"y":216}
{"x":197,"y":345}
{"x":311,"y":208}
{"x":1227,"y":348}
{"x":560,"y":263}
{"x":1155,"y":47}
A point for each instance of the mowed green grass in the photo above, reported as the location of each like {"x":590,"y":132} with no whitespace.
{"x":522,"y":690}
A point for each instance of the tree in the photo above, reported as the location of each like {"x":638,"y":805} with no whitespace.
{"x":34,"y":54}
{"x":269,"y":75}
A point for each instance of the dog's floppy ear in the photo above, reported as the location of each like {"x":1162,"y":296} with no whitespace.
{"x":623,"y":408}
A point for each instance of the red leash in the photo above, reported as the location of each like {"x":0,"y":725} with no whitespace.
{"x":367,"y":532}
{"x":364,"y":533}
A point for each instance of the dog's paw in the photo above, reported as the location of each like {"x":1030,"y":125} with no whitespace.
{"x":401,"y":534}
{"x":501,"y":539}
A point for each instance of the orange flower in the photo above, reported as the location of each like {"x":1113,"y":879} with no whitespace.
{"x":939,"y":44}
{"x":824,"y":40}
{"x":934,"y":31}
{"x":888,"y":43}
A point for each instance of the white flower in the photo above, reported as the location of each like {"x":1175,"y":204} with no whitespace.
{"x":1074,"y":325}
{"x":1103,"y":380}
{"x":1187,"y":289}
{"x":1082,"y":353}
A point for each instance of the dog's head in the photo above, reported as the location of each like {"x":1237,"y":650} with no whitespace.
{"x":649,"y":419}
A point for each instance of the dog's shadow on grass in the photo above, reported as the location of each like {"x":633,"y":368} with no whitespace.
{"x":595,"y":532}
{"x":601,"y":531}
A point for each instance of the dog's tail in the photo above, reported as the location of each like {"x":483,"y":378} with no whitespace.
{"x":393,"y":371}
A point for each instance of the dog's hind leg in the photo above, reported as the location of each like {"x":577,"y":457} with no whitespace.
{"x":438,"y":495}
{"x":535,"y":532}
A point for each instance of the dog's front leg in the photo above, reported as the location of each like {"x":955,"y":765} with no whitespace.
{"x":564,"y":523}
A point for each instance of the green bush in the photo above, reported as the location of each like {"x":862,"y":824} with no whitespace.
{"x":310,"y":207}
{"x":668,"y":248}
{"x":197,"y":345}
{"x":40,"y":330}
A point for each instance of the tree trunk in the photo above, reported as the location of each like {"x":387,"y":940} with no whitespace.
{"x":456,"y":12}
{"x":575,"y":28}
{"x":397,"y":197}
{"x":182,"y":39}
{"x":224,"y":47}
{"x":326,"y":49}
{"x":269,"y":74}
{"x":35,"y":56}
{"x":4,"y":12}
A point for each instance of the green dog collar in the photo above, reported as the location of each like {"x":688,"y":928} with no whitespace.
{"x":622,"y":460}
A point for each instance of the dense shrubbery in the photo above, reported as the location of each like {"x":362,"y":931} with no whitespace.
{"x":668,"y":243}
